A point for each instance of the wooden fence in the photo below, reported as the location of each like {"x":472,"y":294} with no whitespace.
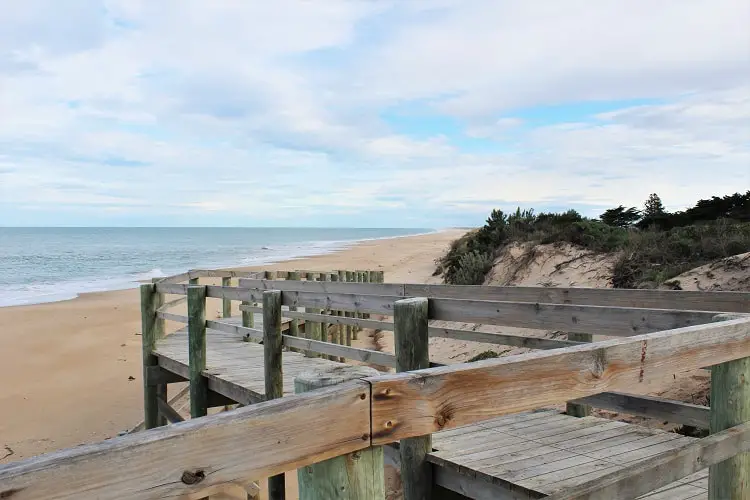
{"x":663,"y":334}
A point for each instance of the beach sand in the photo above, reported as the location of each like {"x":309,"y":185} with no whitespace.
{"x":71,"y":370}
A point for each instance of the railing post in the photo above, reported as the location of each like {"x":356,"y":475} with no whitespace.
{"x":342,"y":328}
{"x":273,"y":372}
{"x":226,"y":304}
{"x":312,"y":329}
{"x":293,"y":323}
{"x":412,"y":353}
{"x":730,"y":406}
{"x":366,"y":279}
{"x":573,"y":409}
{"x":355,"y":476}
{"x":152,"y":329}
{"x":196,"y":305}
{"x":351,"y":331}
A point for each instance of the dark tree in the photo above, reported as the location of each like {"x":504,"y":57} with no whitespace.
{"x":620,"y":216}
{"x":653,"y":207}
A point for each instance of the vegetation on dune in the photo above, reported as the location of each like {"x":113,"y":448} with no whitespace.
{"x":652,"y":244}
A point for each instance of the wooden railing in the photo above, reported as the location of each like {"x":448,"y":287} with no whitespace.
{"x":214,"y":454}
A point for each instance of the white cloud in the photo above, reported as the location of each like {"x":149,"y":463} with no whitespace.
{"x":236,"y":106}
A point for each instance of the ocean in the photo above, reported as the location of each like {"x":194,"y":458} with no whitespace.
{"x":50,"y":264}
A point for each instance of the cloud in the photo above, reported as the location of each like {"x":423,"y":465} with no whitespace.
{"x":228,"y":108}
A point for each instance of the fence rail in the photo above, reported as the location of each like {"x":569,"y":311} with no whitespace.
{"x":202,"y":456}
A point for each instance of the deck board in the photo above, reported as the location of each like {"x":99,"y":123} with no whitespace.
{"x":234,"y":367}
{"x":546,"y":452}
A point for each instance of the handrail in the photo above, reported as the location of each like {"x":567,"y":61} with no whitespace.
{"x":260,"y":440}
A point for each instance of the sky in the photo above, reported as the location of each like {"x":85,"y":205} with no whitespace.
{"x":366,"y":113}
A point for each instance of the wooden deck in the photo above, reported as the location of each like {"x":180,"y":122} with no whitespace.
{"x":234,"y":366}
{"x":521,"y":456}
{"x":531,"y":455}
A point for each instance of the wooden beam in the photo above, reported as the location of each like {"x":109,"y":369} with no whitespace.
{"x":156,"y":375}
{"x":252,"y":333}
{"x":173,"y":289}
{"x":179,"y":318}
{"x":412,"y":353}
{"x":730,"y":406}
{"x":427,"y":401}
{"x":355,"y":476}
{"x":647,"y":406}
{"x":152,"y":329}
{"x":363,"y":355}
{"x":571,"y":408}
{"x":273,"y":371}
{"x":197,"y":350}
{"x":200,"y":457}
{"x":172,"y":303}
{"x":294,"y":324}
{"x":648,"y":475}
{"x":226,"y":304}
{"x":169,"y":413}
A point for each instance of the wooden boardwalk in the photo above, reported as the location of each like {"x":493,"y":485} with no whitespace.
{"x":526,"y":455}
{"x":531,"y":455}
{"x":234,"y":366}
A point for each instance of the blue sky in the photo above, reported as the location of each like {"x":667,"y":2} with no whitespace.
{"x":366,"y":113}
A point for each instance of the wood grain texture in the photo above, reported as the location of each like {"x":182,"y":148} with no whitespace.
{"x":273,"y":369}
{"x":363,"y":355}
{"x":230,"y":448}
{"x":173,"y":289}
{"x":168,"y":412}
{"x":412,"y":353}
{"x":427,"y":401}
{"x":152,"y":329}
{"x":172,"y":303}
{"x":179,"y":318}
{"x":226,"y":304}
{"x":663,"y":469}
{"x":197,"y":350}
{"x":354,"y":476}
{"x":577,"y":409}
{"x":293,"y":324}
{"x":648,"y":406}
{"x":730,"y":406}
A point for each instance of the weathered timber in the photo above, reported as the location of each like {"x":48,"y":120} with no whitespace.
{"x":233,"y":447}
{"x":639,"y":299}
{"x":575,"y":409}
{"x":156,"y":375}
{"x":730,"y":406}
{"x":294,"y":324}
{"x":273,"y":373}
{"x":179,"y":318}
{"x":197,"y":350}
{"x":355,"y":476}
{"x":339,"y":351}
{"x":168,"y":412}
{"x":665,"y":468}
{"x":416,"y":404}
{"x":152,"y":329}
{"x":250,"y":333}
{"x":173,"y":288}
{"x":226,"y":304}
{"x":172,"y":303}
{"x":412,"y":353}
{"x":312,"y":329}
{"x":648,"y":406}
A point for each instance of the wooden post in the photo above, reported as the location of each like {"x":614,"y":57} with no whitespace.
{"x":195,"y":281}
{"x":293,"y":323}
{"x":312,"y":330}
{"x":730,"y":406}
{"x":349,"y":329}
{"x":226,"y":304}
{"x":324,"y":326}
{"x":273,"y":372}
{"x":412,"y":353}
{"x":573,"y":409}
{"x":355,"y":476}
{"x":197,"y":350}
{"x":381,"y":276}
{"x":366,"y":279}
{"x":152,"y":329}
{"x":342,"y":328}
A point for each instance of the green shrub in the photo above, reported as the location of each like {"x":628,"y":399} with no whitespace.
{"x":472,"y":268}
{"x":484,"y":355}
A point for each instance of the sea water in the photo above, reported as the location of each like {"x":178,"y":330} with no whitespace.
{"x":50,"y":264}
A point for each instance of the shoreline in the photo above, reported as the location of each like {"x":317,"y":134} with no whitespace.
{"x":336,"y":246}
{"x":75,"y":365}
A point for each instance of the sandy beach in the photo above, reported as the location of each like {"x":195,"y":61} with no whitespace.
{"x":72,"y":369}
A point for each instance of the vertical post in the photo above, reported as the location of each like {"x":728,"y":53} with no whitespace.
{"x":365,"y":279}
{"x":195,"y":281}
{"x":312,"y":329}
{"x":730,"y":406}
{"x":349,"y":328}
{"x":226,"y":304}
{"x":412,"y":353}
{"x":152,"y":329}
{"x":381,"y":276}
{"x":342,"y":328}
{"x":197,"y":351}
{"x":355,"y":476}
{"x":273,"y":372}
{"x":573,"y":409}
{"x":293,"y":323}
